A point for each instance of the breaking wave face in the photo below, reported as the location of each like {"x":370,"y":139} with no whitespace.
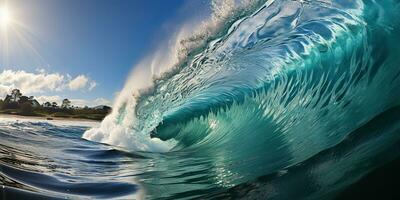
{"x":275,"y":84}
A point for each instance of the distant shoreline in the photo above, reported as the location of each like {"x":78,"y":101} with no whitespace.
{"x":18,"y":105}
{"x":48,"y":118}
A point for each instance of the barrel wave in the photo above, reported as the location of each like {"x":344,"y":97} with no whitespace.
{"x":283,"y":91}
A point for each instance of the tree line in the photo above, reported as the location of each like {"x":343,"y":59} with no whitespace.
{"x":16,"y":103}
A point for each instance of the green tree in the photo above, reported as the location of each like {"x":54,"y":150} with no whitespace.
{"x":66,"y":103}
{"x":26,"y":109}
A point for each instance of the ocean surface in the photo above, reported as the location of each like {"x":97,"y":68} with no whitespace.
{"x":282,"y":99}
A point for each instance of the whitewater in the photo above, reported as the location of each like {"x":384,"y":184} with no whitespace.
{"x":276,"y":99}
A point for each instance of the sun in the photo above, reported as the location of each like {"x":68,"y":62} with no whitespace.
{"x":5,"y":17}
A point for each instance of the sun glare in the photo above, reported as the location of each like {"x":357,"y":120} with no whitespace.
{"x":5,"y":16}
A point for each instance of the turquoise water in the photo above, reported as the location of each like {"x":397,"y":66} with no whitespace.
{"x":287,"y":100}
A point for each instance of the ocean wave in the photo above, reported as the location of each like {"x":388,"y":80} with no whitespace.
{"x":287,"y":78}
{"x":276,"y":99}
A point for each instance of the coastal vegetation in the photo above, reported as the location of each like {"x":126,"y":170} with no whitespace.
{"x":17,"y":104}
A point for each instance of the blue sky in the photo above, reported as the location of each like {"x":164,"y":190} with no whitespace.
{"x":87,"y":47}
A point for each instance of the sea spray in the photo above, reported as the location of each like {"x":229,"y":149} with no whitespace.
{"x":119,"y":127}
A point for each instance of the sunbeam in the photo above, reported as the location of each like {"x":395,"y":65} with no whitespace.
{"x":5,"y":17}
{"x":15,"y":37}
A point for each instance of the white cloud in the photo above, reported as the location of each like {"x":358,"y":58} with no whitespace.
{"x":102,"y":101}
{"x":96,"y":102}
{"x":81,"y":82}
{"x":43,"y":99}
{"x":41,"y":81}
{"x":30,"y":82}
{"x":78,"y":83}
{"x":81,"y":102}
{"x":4,"y":91}
{"x":92,"y":85}
{"x":75,"y":102}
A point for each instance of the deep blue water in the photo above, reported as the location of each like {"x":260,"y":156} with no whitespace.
{"x":287,"y":100}
{"x":39,"y":158}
